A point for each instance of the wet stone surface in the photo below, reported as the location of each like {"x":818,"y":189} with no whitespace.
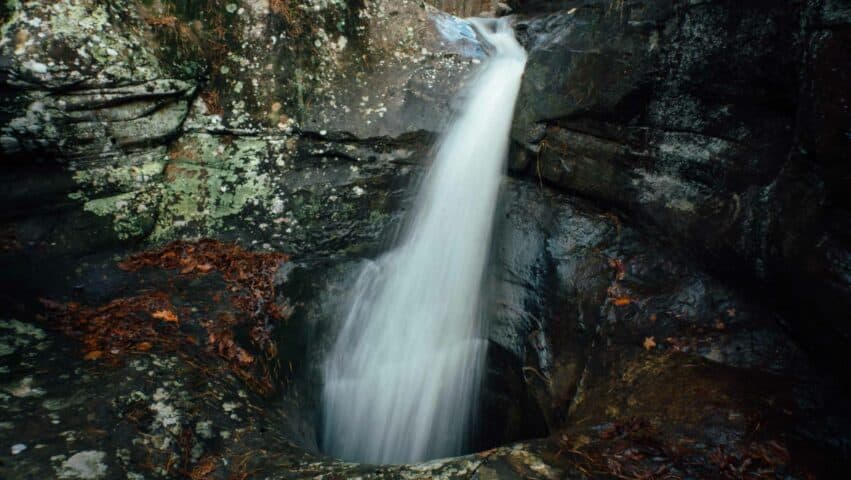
{"x":635,"y":360}
{"x":158,"y":417}
{"x":168,"y":409}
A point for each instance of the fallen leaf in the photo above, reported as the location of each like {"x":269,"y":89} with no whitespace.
{"x":204,"y":267}
{"x":143,"y":346}
{"x":649,"y":343}
{"x":244,"y":357}
{"x":622,"y":301}
{"x":93,"y":355}
{"x":203,"y":469}
{"x":165,"y":315}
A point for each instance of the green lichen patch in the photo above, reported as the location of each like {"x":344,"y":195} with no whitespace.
{"x":68,"y":41}
{"x":131,"y":215}
{"x":127,"y":193}
{"x":208,"y":180}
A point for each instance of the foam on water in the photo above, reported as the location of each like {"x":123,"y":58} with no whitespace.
{"x":402,"y":379}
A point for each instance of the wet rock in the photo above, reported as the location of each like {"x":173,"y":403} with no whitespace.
{"x":698,"y":121}
{"x":86,"y":465}
{"x":293,"y":194}
{"x":84,"y":111}
{"x":20,"y":336}
{"x":25,"y":389}
{"x":99,"y":109}
{"x":569,"y":343}
{"x":586,"y":279}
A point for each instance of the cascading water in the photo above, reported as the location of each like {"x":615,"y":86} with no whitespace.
{"x":402,"y":378}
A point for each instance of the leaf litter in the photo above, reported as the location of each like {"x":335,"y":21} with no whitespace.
{"x":150,"y":320}
{"x":633,"y":449}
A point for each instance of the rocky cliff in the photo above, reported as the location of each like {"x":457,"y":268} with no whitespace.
{"x":710,"y":124}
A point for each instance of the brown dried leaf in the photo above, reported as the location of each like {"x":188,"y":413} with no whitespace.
{"x":204,"y":267}
{"x":622,"y":301}
{"x":204,"y":468}
{"x":244,"y":357}
{"x":188,"y":268}
{"x":165,"y":315}
{"x":93,"y":355}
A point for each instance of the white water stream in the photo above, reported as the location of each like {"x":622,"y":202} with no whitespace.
{"x":402,"y":379}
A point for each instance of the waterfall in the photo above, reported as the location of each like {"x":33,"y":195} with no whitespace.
{"x":402,"y":378}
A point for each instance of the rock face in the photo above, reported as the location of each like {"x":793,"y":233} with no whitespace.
{"x":149,"y":122}
{"x":86,"y":465}
{"x":87,"y":110}
{"x":599,"y":314}
{"x":707,"y":124}
{"x":671,"y":256}
{"x":608,"y":326}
